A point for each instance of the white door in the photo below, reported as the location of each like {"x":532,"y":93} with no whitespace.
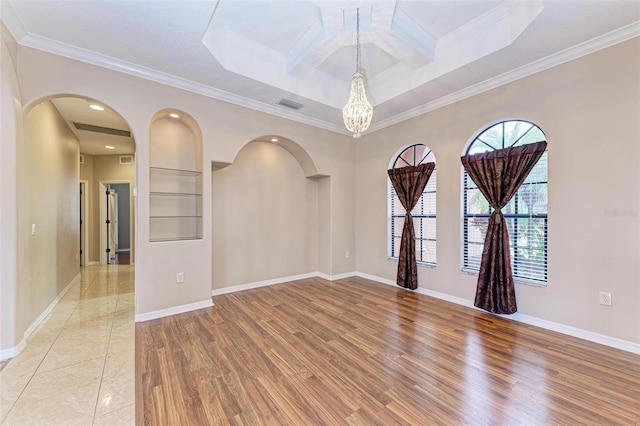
{"x":111,"y":234}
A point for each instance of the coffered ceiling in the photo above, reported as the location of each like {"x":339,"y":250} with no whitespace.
{"x":417,"y":55}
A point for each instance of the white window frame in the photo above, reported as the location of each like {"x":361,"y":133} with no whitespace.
{"x":431,"y":187}
{"x":518,"y":277}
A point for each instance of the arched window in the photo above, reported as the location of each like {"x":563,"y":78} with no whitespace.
{"x":526,"y":213}
{"x":424,"y":214}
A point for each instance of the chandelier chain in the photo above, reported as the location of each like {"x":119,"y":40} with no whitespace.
{"x":358,"y":39}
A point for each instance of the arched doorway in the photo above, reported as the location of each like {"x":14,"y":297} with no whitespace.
{"x":105,"y":168}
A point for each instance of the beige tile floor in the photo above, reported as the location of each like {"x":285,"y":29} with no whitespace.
{"x":78,"y":367}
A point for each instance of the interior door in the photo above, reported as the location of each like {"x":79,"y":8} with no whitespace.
{"x":82,"y":223}
{"x":115,"y":222}
{"x":111,"y":236}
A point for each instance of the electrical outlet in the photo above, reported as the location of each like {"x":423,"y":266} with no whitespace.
{"x":346,"y":254}
{"x":179,"y":277}
{"x":605,"y":298}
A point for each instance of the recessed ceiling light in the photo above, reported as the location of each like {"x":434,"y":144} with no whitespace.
{"x":274,"y":139}
{"x":96,"y":107}
{"x":174,"y":115}
{"x":110,"y":147}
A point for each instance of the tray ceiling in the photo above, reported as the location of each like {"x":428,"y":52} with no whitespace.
{"x":417,"y":55}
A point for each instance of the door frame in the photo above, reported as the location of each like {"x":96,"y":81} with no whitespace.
{"x":102,"y":187}
{"x":85,"y":226}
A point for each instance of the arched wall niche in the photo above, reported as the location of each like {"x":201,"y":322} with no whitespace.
{"x":296,"y":150}
{"x":175,"y":177}
{"x":271,"y":211}
{"x":175,"y":141}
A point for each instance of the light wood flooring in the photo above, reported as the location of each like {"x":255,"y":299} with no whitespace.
{"x":314,"y":352}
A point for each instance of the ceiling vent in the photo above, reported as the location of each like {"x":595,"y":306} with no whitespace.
{"x":126,"y":159}
{"x":104,"y":130}
{"x":289,"y":104}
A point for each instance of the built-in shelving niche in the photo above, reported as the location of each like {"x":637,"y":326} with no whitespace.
{"x":175,"y":179}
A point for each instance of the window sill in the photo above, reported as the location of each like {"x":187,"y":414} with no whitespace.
{"x":516,"y":280}
{"x":428,"y":265}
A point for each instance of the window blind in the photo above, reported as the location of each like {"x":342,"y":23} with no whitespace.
{"x":424,"y":222}
{"x":527,"y":221}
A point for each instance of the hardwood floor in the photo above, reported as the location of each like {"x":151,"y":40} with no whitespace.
{"x":314,"y":352}
{"x":122,"y":258}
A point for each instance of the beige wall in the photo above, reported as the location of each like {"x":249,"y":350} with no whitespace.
{"x":173,"y":145}
{"x":86,"y":173}
{"x":10,"y":138}
{"x":107,"y":169}
{"x":86,"y":169}
{"x":264,"y":217}
{"x":226,"y":129}
{"x":589,"y":110}
{"x":324,"y":226}
{"x":48,"y":197}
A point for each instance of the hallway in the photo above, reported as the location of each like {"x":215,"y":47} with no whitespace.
{"x":78,"y":368}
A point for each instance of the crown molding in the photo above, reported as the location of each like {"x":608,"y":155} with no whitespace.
{"x":62,"y":49}
{"x":12,"y":21}
{"x":26,"y":39}
{"x":602,"y":42}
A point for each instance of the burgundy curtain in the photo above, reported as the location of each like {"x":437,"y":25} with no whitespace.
{"x":409,"y":183}
{"x":498,"y":175}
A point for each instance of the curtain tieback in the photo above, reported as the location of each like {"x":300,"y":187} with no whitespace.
{"x":498,"y":213}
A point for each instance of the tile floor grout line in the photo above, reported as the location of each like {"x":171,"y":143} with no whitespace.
{"x":53,"y":341}
{"x":42,"y":324}
{"x":104,"y":364}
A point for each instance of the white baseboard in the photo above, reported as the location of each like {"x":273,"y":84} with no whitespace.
{"x":249,"y":286}
{"x":93,"y":263}
{"x":39,"y":321}
{"x":375,"y":278}
{"x":602,"y":339}
{"x":174,"y":310}
{"x":335,"y":277}
{"x":11,"y":352}
{"x":219,"y":291}
{"x":123,"y":250}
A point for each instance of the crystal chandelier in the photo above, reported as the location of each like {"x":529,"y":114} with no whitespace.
{"x":357,"y":113}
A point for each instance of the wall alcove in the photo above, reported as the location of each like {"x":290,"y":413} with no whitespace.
{"x":175,"y":178}
{"x":270,"y":211}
